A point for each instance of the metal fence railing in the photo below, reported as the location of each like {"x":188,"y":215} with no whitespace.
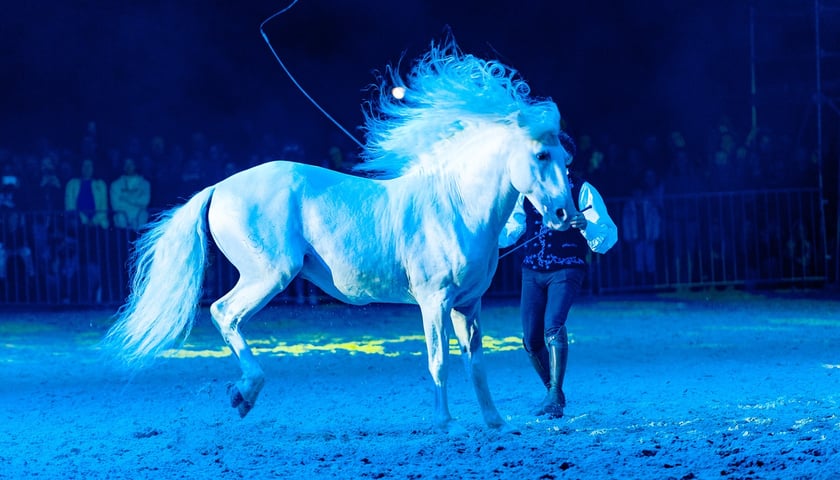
{"x":743,"y":239}
{"x":748,"y":239}
{"x":51,"y":258}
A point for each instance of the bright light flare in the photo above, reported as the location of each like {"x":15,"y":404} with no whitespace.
{"x":398,"y":92}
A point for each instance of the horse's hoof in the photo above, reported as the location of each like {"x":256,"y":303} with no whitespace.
{"x":453,"y":429}
{"x":503,"y":427}
{"x":508,"y":429}
{"x":236,"y":397}
{"x":244,"y":408}
{"x":237,"y":401}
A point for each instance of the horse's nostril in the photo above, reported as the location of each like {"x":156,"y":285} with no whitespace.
{"x":561,"y":213}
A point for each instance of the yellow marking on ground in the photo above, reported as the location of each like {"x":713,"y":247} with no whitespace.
{"x":389,"y":347}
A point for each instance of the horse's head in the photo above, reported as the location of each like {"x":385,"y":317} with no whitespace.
{"x":446,"y":93}
{"x":539,"y":172}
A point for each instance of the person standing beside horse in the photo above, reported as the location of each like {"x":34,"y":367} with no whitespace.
{"x":553,"y":270}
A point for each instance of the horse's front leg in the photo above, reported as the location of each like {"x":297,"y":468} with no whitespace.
{"x":437,"y":346}
{"x":466,"y":326}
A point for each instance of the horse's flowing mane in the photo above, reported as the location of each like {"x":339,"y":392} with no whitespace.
{"x":446,"y":92}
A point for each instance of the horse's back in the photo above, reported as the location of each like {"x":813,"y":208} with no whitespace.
{"x":267,"y":181}
{"x":279,"y":195}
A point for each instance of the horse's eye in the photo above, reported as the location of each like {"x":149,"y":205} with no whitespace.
{"x":543,"y":156}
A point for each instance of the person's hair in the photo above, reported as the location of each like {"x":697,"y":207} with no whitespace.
{"x":568,"y":143}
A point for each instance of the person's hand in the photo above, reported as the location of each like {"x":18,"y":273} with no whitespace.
{"x":578,"y":221}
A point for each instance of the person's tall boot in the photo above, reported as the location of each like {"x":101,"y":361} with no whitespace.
{"x":558,"y":354}
{"x":540,"y":362}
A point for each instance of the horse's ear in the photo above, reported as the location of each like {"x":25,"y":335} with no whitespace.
{"x":527,"y":119}
{"x":539,"y":119}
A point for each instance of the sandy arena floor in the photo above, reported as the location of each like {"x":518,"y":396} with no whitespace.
{"x":720,"y":386}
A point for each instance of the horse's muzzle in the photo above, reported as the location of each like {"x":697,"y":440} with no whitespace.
{"x":560,"y":220}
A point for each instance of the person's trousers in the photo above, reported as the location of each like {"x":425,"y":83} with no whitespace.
{"x":545,"y":302}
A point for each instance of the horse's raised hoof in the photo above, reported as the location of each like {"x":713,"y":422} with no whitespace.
{"x":235,"y":395}
{"x":244,"y":408}
{"x":238,"y":401}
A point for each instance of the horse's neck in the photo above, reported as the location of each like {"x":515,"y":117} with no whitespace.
{"x":478,"y":183}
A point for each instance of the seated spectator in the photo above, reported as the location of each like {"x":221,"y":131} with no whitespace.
{"x":9,"y":188}
{"x":641,"y":227}
{"x":87,"y":197}
{"x":130,"y":198}
{"x":47,"y":195}
{"x":45,"y":204}
{"x":62,"y":277}
{"x":14,"y":247}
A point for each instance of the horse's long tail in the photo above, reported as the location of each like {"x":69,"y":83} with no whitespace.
{"x":168,"y":272}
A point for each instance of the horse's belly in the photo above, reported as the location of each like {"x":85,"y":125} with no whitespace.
{"x":358,"y":287}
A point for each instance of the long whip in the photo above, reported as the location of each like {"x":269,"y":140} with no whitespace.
{"x":294,"y":80}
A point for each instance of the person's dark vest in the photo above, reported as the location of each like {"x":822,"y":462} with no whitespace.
{"x":548,"y":250}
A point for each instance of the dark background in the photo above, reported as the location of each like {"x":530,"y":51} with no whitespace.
{"x":174,"y":67}
{"x":191,"y":90}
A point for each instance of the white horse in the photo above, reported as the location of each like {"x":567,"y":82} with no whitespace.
{"x":452,"y":156}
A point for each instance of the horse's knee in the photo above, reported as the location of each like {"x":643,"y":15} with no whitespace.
{"x":216,"y":311}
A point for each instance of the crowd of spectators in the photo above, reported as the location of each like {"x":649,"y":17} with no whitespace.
{"x":728,"y":159}
{"x":65,"y":210}
{"x":669,"y":237}
{"x":99,"y":188}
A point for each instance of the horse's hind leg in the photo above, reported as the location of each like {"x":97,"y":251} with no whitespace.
{"x":235,"y":307}
{"x":466,"y":327}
